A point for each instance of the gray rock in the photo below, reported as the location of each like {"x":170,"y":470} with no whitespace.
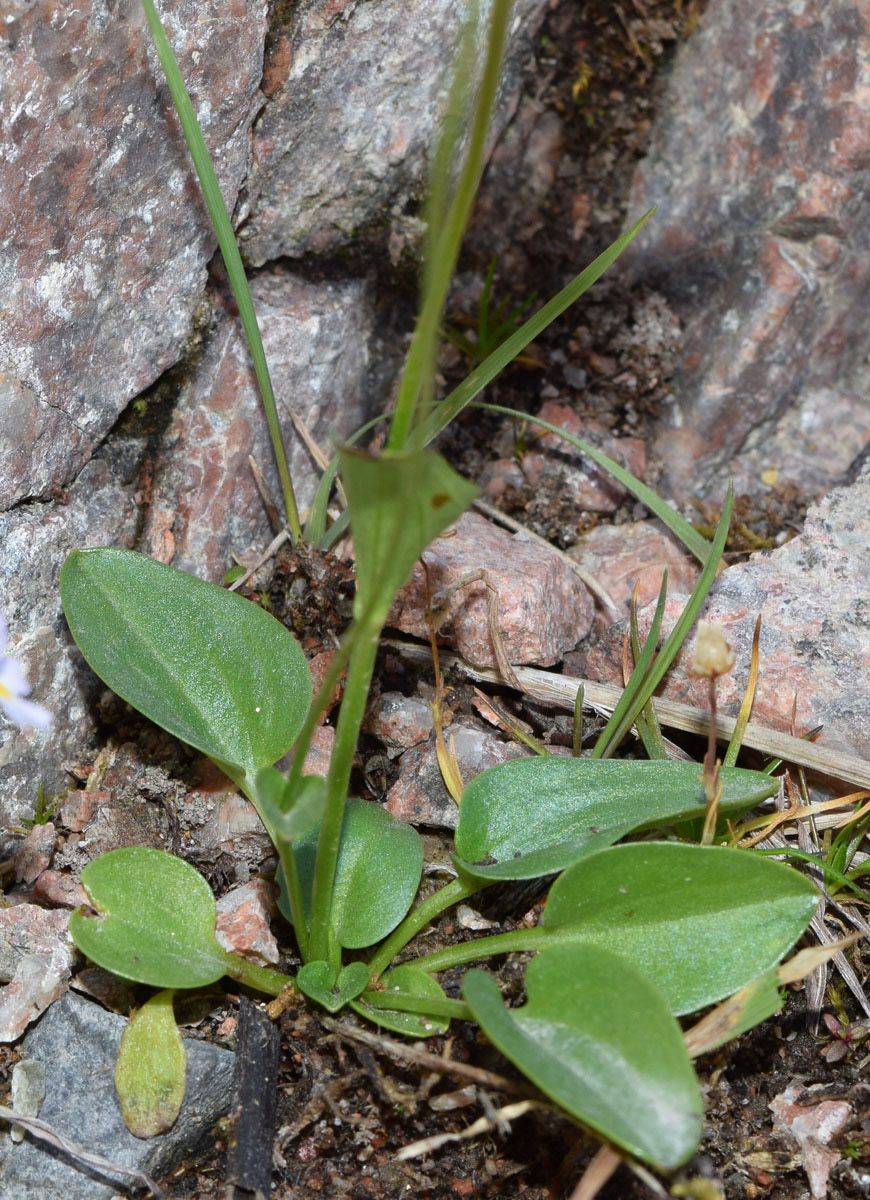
{"x":97,"y":511}
{"x":104,"y":238}
{"x":758,"y":165}
{"x":420,"y":796}
{"x":355,"y":93}
{"x":78,"y":1042}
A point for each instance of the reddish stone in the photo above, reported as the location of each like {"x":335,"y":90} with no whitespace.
{"x":813,"y":597}
{"x":104,"y":237}
{"x":61,"y":888}
{"x":757,"y":164}
{"x":543,"y":608}
{"x":204,"y":501}
{"x":34,"y":853}
{"x":243,"y":922}
{"x":620,"y":556}
{"x":79,"y":807}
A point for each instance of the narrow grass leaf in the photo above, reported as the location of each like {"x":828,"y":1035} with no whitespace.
{"x":694,"y":542}
{"x":450,"y":407}
{"x":644,"y":682}
{"x":220,"y":219}
{"x":628,"y":708}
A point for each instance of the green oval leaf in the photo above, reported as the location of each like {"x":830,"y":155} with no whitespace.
{"x":597,"y":1036}
{"x":536,"y":816}
{"x":154,"y":922}
{"x":377,"y":875}
{"x":203,"y":663}
{"x":411,"y":981}
{"x":701,"y":921}
{"x":333,"y":989}
{"x":150,"y":1071}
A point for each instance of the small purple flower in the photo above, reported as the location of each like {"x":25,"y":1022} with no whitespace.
{"x":13,"y":687}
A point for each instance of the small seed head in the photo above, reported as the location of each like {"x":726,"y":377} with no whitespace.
{"x":713,"y":655}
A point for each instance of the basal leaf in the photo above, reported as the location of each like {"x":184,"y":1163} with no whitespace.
{"x":536,"y":816}
{"x":205,"y":664}
{"x":596,"y":1035}
{"x":398,"y":503}
{"x":333,"y":989}
{"x":377,"y":875}
{"x":150,"y":1071}
{"x":702,"y":921}
{"x":154,"y":921}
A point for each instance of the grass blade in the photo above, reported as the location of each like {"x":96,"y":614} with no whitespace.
{"x":619,"y":724}
{"x":453,"y":404}
{"x":227,"y":241}
{"x":640,"y":693}
{"x":446,"y":237}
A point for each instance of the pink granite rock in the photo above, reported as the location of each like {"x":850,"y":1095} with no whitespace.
{"x":618,"y":556}
{"x":543,"y":608}
{"x":757,"y":164}
{"x":355,"y":96}
{"x":204,"y":502}
{"x":814,"y":598}
{"x":242,"y":924}
{"x":34,"y":853}
{"x":60,"y":888}
{"x":104,"y":238}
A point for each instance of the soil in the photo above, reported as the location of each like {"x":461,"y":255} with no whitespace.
{"x":345,"y":1108}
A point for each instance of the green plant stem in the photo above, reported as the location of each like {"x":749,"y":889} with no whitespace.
{"x":229,"y":249}
{"x":288,"y":863}
{"x":350,"y":718}
{"x":428,"y":1006}
{"x":260,"y":979}
{"x":456,"y":890}
{"x":445,"y":247}
{"x":498,"y":943}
